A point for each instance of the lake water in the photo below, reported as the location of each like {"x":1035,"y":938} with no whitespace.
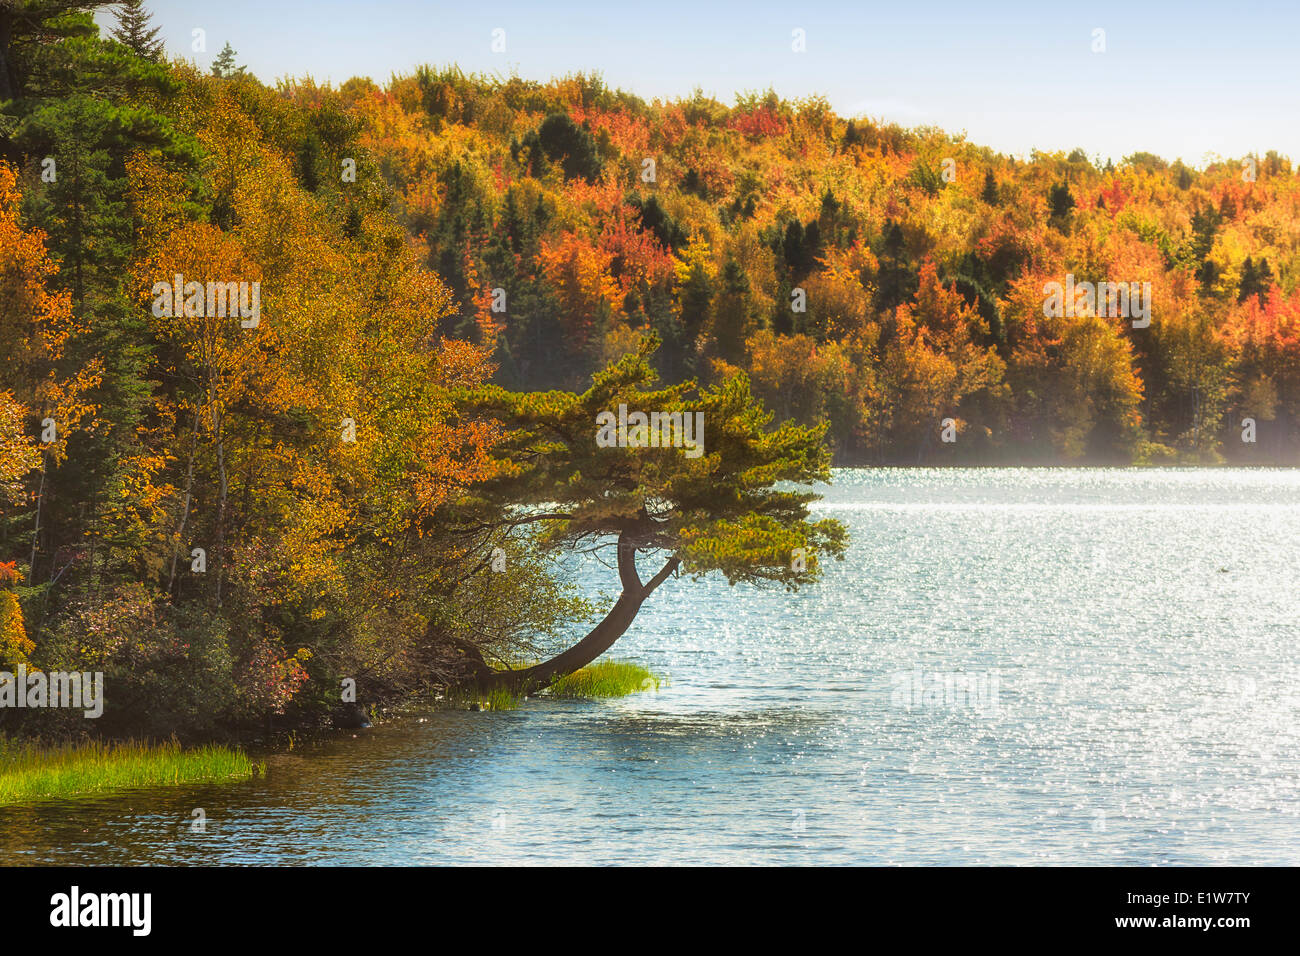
{"x":1011,"y":666}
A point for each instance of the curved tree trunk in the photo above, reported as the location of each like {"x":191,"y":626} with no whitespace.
{"x":598,"y":640}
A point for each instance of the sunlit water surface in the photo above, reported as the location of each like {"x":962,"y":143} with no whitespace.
{"x":1141,"y":627}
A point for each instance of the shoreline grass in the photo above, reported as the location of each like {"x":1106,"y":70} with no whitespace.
{"x":31,"y":773}
{"x":500,"y":699}
{"x":606,"y":678}
{"x":497,"y":699}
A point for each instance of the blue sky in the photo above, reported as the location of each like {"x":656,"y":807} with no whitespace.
{"x":1178,"y":79}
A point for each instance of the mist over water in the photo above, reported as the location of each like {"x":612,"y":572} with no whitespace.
{"x":1142,"y":627}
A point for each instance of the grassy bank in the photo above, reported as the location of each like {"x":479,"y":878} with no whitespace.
{"x":29,"y":772}
{"x":606,"y":678}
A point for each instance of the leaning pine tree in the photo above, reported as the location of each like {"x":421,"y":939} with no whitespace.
{"x":731,"y":506}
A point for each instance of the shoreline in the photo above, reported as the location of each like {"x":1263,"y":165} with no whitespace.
{"x":32,"y":772}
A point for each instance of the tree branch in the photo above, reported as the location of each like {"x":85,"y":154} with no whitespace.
{"x":669,"y":567}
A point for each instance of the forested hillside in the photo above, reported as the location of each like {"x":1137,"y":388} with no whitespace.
{"x":883,"y":279}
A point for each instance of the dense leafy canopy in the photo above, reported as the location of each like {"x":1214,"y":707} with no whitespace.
{"x":919,"y":261}
{"x":254,"y":450}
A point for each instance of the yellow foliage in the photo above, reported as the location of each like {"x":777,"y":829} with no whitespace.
{"x":15,"y":646}
{"x":35,"y":326}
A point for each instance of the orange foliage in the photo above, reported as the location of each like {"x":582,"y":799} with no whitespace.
{"x":579,"y":273}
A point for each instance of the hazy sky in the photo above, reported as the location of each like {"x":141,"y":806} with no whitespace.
{"x":1178,"y":79}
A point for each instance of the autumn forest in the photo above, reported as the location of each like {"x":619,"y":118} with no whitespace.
{"x":368,"y":478}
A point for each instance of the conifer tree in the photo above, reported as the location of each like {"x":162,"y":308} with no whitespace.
{"x":990,"y":192}
{"x":731,"y":508}
{"x":1059,"y":202}
{"x":134,"y":30}
{"x":224,"y":64}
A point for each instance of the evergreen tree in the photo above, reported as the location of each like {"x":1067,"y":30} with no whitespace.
{"x":792,"y":247}
{"x":1227,"y":208}
{"x":812,"y":246}
{"x":895,"y":243}
{"x":743,"y":522}
{"x":696,"y":301}
{"x":1059,"y":202}
{"x":897,"y":281}
{"x":1205,"y":225}
{"x":563,"y":141}
{"x":1249,"y":281}
{"x":657,"y":220}
{"x":30,"y":31}
{"x":224,"y":64}
{"x":732,"y":314}
{"x":82,"y":107}
{"x":134,"y":30}
{"x":693,"y":183}
{"x":1264,"y":277}
{"x":990,"y":191}
{"x":830,"y":209}
{"x":1255,"y":280}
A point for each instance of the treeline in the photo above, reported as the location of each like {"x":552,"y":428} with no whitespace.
{"x":882,"y":279}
